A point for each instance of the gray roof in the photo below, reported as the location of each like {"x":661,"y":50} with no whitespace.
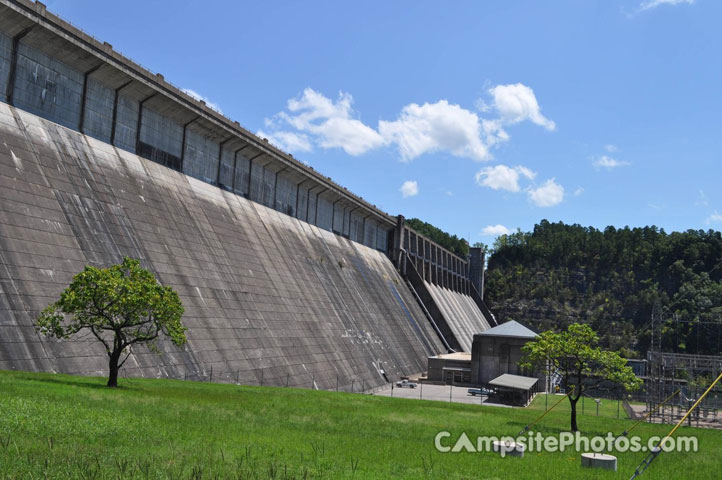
{"x":514,"y":381}
{"x":510,"y":329}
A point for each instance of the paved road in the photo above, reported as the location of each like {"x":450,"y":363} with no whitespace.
{"x":441,"y":393}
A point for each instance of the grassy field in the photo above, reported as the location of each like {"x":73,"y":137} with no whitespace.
{"x":57,"y":426}
{"x":607,"y":408}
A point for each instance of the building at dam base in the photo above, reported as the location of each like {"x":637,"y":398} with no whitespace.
{"x":286,"y":277}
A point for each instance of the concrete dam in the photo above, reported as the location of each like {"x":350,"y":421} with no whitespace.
{"x":286,"y":276}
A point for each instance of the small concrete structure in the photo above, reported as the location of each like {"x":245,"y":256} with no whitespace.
{"x":514,"y":389}
{"x":599,"y":460}
{"x":450,"y":368}
{"x":511,"y":449}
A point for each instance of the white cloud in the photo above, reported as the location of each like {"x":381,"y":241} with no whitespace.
{"x":330,"y":123}
{"x":608,"y":162}
{"x":611,"y":148}
{"x":650,"y":4}
{"x":433,"y":127}
{"x":198,"y":96}
{"x":501,"y":177}
{"x":702,"y":199}
{"x":410,"y":188}
{"x":716,"y":217}
{"x":494,"y":231}
{"x":578,"y":191}
{"x":516,"y":103}
{"x":548,"y":195}
{"x":318,"y":121}
{"x":288,"y":141}
{"x":494,"y":132}
{"x":525,"y":172}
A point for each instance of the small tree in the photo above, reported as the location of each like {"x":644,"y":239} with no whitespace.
{"x":121,"y":306}
{"x":575,"y":356}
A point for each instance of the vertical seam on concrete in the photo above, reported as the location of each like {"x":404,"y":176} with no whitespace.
{"x":115,"y":111}
{"x":10,"y":88}
{"x":84,"y":96}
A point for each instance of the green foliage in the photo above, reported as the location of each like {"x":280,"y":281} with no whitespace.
{"x":121,"y":306}
{"x":613,"y":280}
{"x":575,"y":355}
{"x":454,"y":244}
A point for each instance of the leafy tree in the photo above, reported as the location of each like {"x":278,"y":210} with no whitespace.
{"x":575,"y":355}
{"x":121,"y":306}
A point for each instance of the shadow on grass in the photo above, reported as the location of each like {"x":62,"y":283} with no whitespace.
{"x":98,"y":383}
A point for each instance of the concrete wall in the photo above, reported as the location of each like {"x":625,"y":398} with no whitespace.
{"x":454,"y":368}
{"x":47,"y":87}
{"x":461,"y":314}
{"x":5,"y":51}
{"x":476,"y":269}
{"x":266,"y":295}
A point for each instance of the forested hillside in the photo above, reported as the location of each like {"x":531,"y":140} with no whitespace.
{"x":615,"y":280}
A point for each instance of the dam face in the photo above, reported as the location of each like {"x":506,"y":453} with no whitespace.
{"x":286,"y":277}
{"x":266,"y":295}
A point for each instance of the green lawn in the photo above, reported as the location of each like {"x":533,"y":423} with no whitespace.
{"x":607,"y":408}
{"x":59,"y":426}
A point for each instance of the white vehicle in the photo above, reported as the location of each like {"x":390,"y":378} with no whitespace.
{"x":406,"y":384}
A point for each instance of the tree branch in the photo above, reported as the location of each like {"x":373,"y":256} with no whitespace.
{"x":97,"y":335}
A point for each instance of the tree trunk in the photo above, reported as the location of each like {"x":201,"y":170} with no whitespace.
{"x":573,"y":403}
{"x":113,"y":369}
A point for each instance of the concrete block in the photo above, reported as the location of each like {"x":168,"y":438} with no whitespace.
{"x":599,"y":460}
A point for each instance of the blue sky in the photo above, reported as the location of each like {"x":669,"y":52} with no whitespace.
{"x":474,"y":116}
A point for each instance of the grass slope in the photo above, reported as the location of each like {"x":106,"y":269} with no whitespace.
{"x":58,"y":426}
